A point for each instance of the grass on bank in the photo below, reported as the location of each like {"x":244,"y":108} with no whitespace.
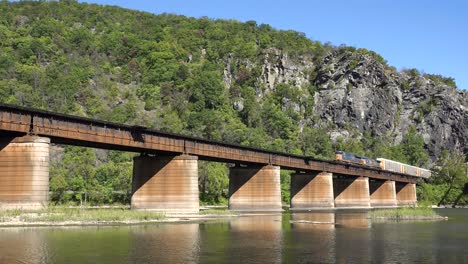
{"x":405,"y":213}
{"x":8,"y":214}
{"x":216,"y":212}
{"x":62,"y":214}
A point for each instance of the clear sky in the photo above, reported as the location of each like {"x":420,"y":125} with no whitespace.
{"x":430,"y":35}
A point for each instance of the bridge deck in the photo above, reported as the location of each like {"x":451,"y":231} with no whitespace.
{"x":73,"y":130}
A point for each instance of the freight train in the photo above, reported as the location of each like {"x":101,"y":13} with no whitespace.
{"x":384,"y":164}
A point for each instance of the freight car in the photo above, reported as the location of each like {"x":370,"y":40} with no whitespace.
{"x":424,"y":173}
{"x":384,"y":164}
{"x":396,"y":166}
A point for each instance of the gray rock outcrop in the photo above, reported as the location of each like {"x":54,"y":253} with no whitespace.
{"x":361,"y":93}
{"x":358,"y":94}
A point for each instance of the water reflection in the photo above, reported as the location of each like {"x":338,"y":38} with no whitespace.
{"x":312,"y":238}
{"x":168,"y":243}
{"x":262,"y":235}
{"x":353,"y":236}
{"x":300,"y":237}
{"x":352,"y":219}
{"x":328,"y":236}
{"x":315,"y":220}
{"x":85,"y":244}
{"x":20,"y":245}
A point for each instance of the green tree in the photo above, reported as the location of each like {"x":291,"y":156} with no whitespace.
{"x":451,"y":169}
{"x":277,"y":123}
{"x":285,"y":179}
{"x":78,"y":164}
{"x":413,"y":148}
{"x":58,"y":184}
{"x":213,"y":182}
{"x":151,"y":95}
{"x":207,"y":91}
{"x":113,"y":183}
{"x":316,"y":143}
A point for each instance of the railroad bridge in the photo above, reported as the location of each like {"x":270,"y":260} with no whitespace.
{"x":165,"y":175}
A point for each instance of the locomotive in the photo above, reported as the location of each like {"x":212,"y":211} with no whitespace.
{"x":384,"y":164}
{"x":354,"y":158}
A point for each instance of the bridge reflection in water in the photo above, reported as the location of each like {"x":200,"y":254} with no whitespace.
{"x":261,"y":233}
{"x":300,"y":237}
{"x":312,"y":234}
{"x":272,"y":238}
{"x":22,"y":245}
{"x":168,"y":243}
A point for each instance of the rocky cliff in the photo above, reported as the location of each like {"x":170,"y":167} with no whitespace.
{"x":356,"y":94}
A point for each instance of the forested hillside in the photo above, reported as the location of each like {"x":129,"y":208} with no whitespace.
{"x":235,"y":82}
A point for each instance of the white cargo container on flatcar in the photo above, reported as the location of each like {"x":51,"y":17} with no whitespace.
{"x":411,"y":170}
{"x":424,"y":173}
{"x":396,"y":166}
{"x":390,"y":165}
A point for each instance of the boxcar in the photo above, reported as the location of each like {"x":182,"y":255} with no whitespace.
{"x":396,"y":166}
{"x":424,"y":173}
{"x":391,"y":165}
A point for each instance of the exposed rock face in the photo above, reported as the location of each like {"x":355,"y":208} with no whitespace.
{"x":360,"y":96}
{"x":357,"y":94}
{"x":447,"y":125}
{"x":361,"y":93}
{"x":279,"y":68}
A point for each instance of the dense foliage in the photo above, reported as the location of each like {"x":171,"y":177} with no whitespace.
{"x":449,"y":186}
{"x":164,"y":72}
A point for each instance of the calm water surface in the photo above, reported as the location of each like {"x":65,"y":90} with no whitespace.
{"x":344,"y":237}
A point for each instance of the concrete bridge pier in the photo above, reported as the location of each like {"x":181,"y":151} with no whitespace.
{"x":351,"y":192}
{"x":312,"y":191}
{"x":255,"y":188}
{"x":167,"y":184}
{"x":382,"y":193}
{"x":406,"y":194}
{"x":24,"y":172}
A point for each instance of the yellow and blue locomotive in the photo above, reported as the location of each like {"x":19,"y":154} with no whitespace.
{"x":354,"y":158}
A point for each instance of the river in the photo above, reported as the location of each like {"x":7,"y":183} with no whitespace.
{"x":342,"y":237}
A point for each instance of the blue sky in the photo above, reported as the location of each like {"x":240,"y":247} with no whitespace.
{"x":431,"y":36}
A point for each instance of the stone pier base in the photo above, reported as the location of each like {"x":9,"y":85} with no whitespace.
{"x":255,"y":188}
{"x":406,"y":194}
{"x":312,"y":191}
{"x":382,"y":193}
{"x":167,"y":184}
{"x":24,"y":173}
{"x":351,"y":192}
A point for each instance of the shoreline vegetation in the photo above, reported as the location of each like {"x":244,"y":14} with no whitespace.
{"x":406,"y":213}
{"x":63,"y":216}
{"x":76,"y":216}
{"x":107,"y":215}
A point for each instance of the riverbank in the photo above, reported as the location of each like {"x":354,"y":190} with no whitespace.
{"x":122,"y":215}
{"x":406,"y":213}
{"x":66,"y":216}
